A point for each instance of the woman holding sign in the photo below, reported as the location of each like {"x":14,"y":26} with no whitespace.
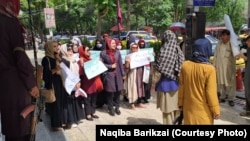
{"x":91,"y":86}
{"x":115,"y":74}
{"x":73,"y":104}
{"x":135,"y":85}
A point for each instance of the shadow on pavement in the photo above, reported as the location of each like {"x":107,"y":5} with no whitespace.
{"x":133,"y":121}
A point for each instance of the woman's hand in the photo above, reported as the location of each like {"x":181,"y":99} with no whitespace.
{"x":113,"y":66}
{"x":78,"y":85}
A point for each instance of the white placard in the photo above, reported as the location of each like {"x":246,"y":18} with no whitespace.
{"x":94,"y":67}
{"x":150,"y":53}
{"x":233,"y":36}
{"x":138,"y":59}
{"x":69,"y":78}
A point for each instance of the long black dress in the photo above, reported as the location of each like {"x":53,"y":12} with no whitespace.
{"x":74,"y":110}
{"x":55,"y":109}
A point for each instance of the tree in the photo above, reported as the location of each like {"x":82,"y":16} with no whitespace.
{"x":233,"y":8}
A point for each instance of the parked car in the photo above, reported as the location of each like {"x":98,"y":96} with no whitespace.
{"x":154,"y":39}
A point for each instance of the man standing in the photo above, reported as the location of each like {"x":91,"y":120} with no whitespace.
{"x":224,"y":62}
{"x":17,"y":83}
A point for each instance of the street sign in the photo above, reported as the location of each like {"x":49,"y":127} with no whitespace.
{"x":49,"y":14}
{"x":204,"y":2}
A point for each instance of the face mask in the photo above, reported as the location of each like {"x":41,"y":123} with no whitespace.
{"x":99,"y":45}
{"x":119,"y":47}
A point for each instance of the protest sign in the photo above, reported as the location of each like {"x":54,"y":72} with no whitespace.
{"x":69,"y":78}
{"x":94,"y":67}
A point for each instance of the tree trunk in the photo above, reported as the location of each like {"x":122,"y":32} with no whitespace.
{"x":128,"y":14}
{"x":99,"y":26}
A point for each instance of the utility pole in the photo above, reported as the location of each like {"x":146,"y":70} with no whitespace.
{"x":189,"y":40}
{"x":248,"y":14}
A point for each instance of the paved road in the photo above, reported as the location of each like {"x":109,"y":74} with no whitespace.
{"x":150,"y":115}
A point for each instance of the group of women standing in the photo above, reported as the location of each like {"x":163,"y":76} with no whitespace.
{"x":68,"y":109}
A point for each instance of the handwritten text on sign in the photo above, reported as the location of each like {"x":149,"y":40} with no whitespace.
{"x":138,"y":59}
{"x":94,"y":67}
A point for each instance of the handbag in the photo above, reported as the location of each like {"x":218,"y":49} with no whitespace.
{"x":48,"y":94}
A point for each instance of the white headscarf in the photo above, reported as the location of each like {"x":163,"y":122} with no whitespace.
{"x":73,"y":66}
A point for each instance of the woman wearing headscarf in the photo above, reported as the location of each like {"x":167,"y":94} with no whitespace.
{"x":168,"y":63}
{"x":91,"y":86}
{"x":52,"y":78}
{"x":135,"y":85}
{"x":75,"y":111}
{"x":98,"y":45}
{"x":115,"y":74}
{"x":198,"y":89}
{"x":17,"y":81}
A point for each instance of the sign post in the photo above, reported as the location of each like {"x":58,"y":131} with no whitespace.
{"x":50,"y":23}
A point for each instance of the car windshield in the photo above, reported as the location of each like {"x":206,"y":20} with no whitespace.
{"x":144,"y":36}
{"x":91,"y":38}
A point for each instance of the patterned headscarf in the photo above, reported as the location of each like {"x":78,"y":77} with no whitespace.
{"x":170,"y":57}
{"x":202,"y":49}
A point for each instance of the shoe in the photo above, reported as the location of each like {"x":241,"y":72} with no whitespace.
{"x":74,"y":125}
{"x":145,"y":100}
{"x":222,"y":100}
{"x":125,"y":98}
{"x":111,"y":112}
{"x":117,"y":111}
{"x":231,"y":103}
{"x":245,"y":113}
{"x":95,"y":116}
{"x":89,"y":118}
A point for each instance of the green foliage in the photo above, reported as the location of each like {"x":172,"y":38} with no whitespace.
{"x":81,"y":17}
{"x":156,"y":46}
{"x":233,"y":8}
{"x":86,"y":42}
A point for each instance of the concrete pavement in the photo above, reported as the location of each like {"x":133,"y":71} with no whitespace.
{"x":150,"y":115}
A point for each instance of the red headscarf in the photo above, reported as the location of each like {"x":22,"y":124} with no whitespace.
{"x":82,"y":53}
{"x":111,"y":52}
{"x":11,"y":9}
